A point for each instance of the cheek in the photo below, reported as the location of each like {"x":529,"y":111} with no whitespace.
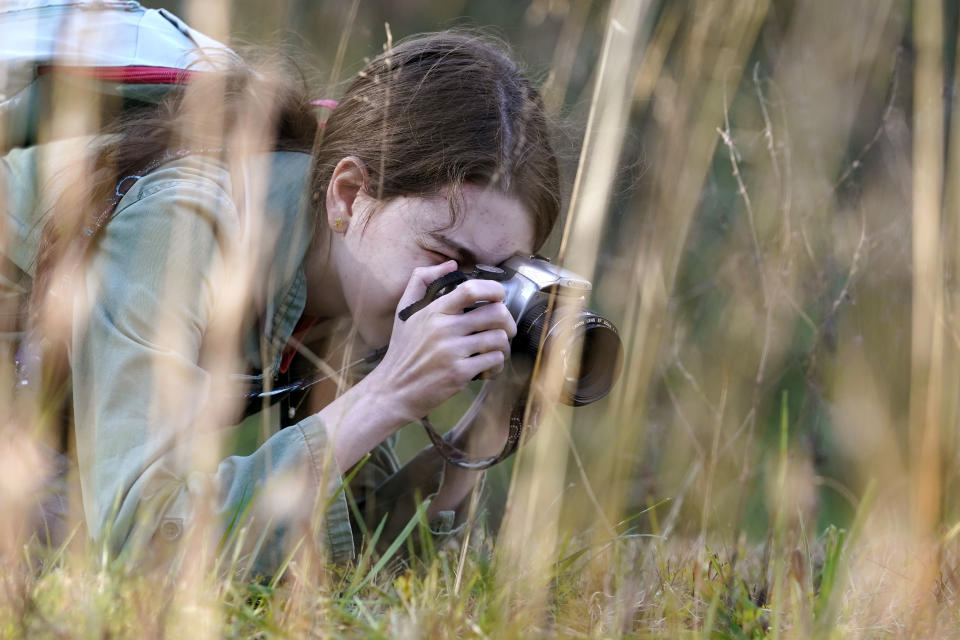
{"x":380,"y":277}
{"x":388,"y":268}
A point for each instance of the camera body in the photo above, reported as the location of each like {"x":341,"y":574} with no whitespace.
{"x":548,"y":304}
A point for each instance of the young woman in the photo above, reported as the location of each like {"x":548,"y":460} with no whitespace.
{"x":237,"y":219}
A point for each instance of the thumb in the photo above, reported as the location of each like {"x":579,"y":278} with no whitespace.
{"x":421,"y":278}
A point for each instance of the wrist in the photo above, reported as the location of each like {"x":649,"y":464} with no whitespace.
{"x":487,"y":433}
{"x":378,"y":391}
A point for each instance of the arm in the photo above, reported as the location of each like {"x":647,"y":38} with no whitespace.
{"x":432,"y":356}
{"x":147,"y":459}
{"x":428,"y":476}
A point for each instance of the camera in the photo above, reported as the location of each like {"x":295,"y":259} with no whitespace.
{"x":548,"y":304}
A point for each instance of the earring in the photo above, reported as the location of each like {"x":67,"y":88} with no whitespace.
{"x":338,"y":223}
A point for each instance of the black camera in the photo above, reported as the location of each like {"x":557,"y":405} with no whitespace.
{"x":548,"y":304}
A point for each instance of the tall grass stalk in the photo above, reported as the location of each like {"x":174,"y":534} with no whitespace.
{"x":927,"y":384}
{"x":766,"y":201}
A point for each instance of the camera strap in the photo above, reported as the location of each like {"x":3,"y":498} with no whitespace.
{"x":447,"y":283}
{"x":448,"y":446}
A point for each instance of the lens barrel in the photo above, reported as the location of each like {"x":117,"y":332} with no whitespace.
{"x":587,"y":345}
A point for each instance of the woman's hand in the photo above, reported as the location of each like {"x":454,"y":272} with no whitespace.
{"x":432,"y":356}
{"x":439,"y":349}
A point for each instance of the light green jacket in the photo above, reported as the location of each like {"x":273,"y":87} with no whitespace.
{"x":143,"y":313}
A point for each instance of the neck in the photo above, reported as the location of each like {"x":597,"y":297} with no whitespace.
{"x":324,"y":290}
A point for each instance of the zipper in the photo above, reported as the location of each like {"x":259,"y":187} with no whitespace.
{"x":134,"y":74}
{"x":123,"y":5}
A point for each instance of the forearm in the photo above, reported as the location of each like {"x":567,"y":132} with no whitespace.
{"x":360,"y":419}
{"x":459,"y":482}
{"x":484,"y":437}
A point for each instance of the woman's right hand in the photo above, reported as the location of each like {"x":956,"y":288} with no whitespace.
{"x":438,"y":350}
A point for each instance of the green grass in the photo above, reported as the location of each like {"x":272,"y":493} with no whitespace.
{"x":779,"y":458}
{"x":638,"y":584}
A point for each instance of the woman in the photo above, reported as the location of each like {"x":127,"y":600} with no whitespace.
{"x":437,"y":157}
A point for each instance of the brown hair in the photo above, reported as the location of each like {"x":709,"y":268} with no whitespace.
{"x":443,"y":110}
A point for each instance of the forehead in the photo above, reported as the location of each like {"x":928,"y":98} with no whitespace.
{"x":489,"y":223}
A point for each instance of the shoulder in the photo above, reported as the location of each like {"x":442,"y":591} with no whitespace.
{"x":32,"y":179}
{"x":198,"y":182}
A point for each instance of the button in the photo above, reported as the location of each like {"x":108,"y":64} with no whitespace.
{"x":171,"y":528}
{"x":442,"y":522}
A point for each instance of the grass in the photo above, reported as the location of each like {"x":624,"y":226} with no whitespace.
{"x":634,"y":586}
{"x":645,"y":581}
{"x":766,"y":201}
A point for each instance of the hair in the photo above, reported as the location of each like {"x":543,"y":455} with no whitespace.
{"x":444,"y":110}
{"x":438,"y":110}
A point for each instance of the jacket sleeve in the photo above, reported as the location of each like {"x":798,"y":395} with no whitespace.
{"x":147,"y":457}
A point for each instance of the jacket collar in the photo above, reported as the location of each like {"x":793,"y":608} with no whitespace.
{"x":290,"y":225}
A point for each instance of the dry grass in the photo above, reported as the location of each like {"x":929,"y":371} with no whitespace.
{"x":766,"y":199}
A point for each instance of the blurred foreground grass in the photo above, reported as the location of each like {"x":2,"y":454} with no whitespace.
{"x":839,"y":585}
{"x":768,"y":200}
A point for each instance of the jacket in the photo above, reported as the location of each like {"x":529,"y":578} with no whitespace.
{"x":145,"y":313}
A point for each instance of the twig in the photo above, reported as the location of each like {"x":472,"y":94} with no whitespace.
{"x":683,"y":420}
{"x":853,"y":166}
{"x":678,"y":362}
{"x":758,"y":253}
{"x":854,"y":264}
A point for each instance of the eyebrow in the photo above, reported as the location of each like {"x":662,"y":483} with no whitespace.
{"x":463,"y":254}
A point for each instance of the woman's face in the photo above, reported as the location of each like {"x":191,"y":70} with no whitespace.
{"x":382,"y":245}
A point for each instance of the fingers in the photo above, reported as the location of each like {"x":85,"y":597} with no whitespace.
{"x":489,"y":363}
{"x":421,"y":278}
{"x":485,"y":353}
{"x":468,"y":294}
{"x":493,"y":340}
{"x":485,"y":318}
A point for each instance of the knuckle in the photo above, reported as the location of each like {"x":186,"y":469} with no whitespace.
{"x":507,"y":318}
{"x":434,"y":324}
{"x":449,"y":350}
{"x":472,"y":288}
{"x":438,"y":322}
{"x":495,"y":289}
{"x":483,"y":289}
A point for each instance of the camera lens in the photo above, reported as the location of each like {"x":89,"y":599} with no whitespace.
{"x":592,"y":359}
{"x":587,"y":345}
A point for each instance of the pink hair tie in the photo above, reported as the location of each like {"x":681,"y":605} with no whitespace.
{"x":329,"y":104}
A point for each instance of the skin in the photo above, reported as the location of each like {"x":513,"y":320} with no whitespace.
{"x":381,"y":257}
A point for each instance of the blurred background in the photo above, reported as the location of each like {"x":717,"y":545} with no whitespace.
{"x":753,"y":242}
{"x":766,"y":196}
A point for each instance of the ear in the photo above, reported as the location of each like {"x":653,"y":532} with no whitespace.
{"x":348,"y":180}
